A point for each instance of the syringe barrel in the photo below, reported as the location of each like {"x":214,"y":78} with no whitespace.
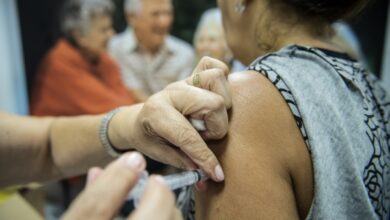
{"x":138,"y":189}
{"x":176,"y":181}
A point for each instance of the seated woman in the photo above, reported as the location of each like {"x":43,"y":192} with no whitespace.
{"x":309,"y":132}
{"x":77,"y":77}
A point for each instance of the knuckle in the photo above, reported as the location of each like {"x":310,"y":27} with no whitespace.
{"x":152,"y":104}
{"x":182,"y":165}
{"x":206,"y":60}
{"x":186,"y":137}
{"x":174,"y":86}
{"x":190,"y":142}
{"x":217,"y":133}
{"x":225,"y":70}
{"x":147,"y":127}
{"x":203,"y":155}
{"x":218,"y":124}
{"x":178,"y":162}
{"x":220,"y":73}
{"x":220,"y":133}
{"x":219,"y":102}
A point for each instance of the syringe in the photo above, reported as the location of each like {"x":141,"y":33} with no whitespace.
{"x":174,"y":181}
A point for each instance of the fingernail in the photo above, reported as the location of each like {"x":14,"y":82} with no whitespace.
{"x":134,"y":161}
{"x":92,"y":174}
{"x":219,"y":173}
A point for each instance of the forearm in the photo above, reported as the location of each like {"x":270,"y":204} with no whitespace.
{"x":75,"y":144}
{"x":40,"y":149}
{"x":24,"y":149}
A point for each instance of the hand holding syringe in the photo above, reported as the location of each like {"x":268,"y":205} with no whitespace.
{"x":174,"y":181}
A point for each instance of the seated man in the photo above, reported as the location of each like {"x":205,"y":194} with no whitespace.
{"x":149,"y":57}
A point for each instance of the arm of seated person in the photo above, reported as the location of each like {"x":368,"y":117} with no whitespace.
{"x":268,"y":170}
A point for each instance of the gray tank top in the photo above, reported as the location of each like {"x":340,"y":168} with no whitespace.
{"x":343,"y":114}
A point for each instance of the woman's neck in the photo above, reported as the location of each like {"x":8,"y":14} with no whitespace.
{"x":310,"y":41}
{"x":290,"y":39}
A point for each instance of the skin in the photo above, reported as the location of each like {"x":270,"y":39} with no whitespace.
{"x":263,"y":155}
{"x":129,"y":167}
{"x":95,"y":39}
{"x":40,"y":149}
{"x":268,"y":168}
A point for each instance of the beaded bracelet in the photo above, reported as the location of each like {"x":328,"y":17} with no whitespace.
{"x":103,"y":134}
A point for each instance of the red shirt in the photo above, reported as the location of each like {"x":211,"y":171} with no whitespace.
{"x":67,"y":84}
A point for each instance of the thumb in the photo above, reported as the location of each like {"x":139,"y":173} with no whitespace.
{"x":103,"y":198}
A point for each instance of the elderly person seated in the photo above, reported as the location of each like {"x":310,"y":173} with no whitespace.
{"x":77,"y":77}
{"x":209,"y":40}
{"x":149,"y":57}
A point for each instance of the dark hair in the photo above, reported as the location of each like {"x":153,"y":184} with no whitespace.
{"x":330,"y":10}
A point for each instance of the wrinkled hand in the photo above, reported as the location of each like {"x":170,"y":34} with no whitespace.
{"x":107,"y":189}
{"x":163,"y":130}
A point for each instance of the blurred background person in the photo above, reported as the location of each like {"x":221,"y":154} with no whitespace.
{"x":78,"y":77}
{"x":209,"y":40}
{"x":148,"y":56}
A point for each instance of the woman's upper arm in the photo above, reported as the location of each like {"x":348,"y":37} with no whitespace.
{"x":268,"y":173}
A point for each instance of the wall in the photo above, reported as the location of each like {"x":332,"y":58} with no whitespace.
{"x":13,"y":96}
{"x":386,"y":55}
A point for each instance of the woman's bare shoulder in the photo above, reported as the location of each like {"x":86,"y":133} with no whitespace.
{"x":265,"y":160}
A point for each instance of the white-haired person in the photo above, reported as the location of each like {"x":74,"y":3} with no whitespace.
{"x":149,"y":57}
{"x":209,"y":40}
{"x":78,"y":77}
